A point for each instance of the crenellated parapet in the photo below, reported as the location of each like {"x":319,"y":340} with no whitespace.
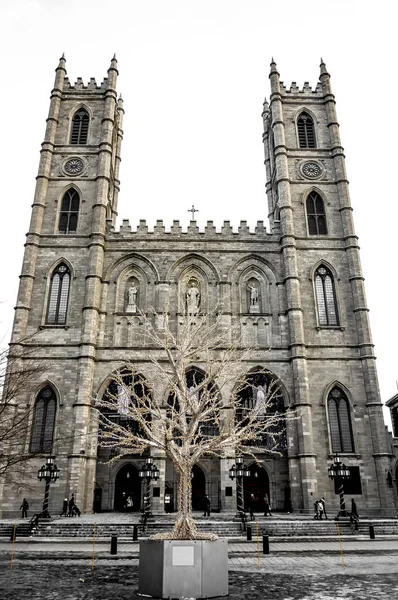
{"x":80,"y":86}
{"x":193,"y":231}
{"x":306,"y":90}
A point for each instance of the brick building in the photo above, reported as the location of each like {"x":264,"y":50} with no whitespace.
{"x":297,"y":292}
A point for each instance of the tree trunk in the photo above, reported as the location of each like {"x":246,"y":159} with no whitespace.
{"x":185,"y":528}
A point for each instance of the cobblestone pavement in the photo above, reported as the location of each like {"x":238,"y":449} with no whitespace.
{"x":75,"y":580}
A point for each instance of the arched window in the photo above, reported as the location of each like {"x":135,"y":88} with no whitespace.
{"x":316,"y":217}
{"x":43,"y":421}
{"x":69,"y":212}
{"x":199,"y":389}
{"x":325,"y":297}
{"x":340,"y":421}
{"x":79,"y":131}
{"x":59,"y":296}
{"x":259,"y":390}
{"x":124,"y":392}
{"x":306,"y":131}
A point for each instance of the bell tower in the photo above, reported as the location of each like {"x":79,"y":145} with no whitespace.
{"x":74,"y":205}
{"x":310,"y":211}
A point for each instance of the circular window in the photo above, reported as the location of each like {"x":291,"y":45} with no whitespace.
{"x":74,"y":166}
{"x":311,"y":170}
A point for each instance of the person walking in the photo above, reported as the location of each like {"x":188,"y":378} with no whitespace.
{"x":354,"y":518}
{"x":64,"y":508}
{"x":252,"y":501}
{"x":320,"y":510}
{"x":71,"y":506}
{"x":324,"y":507}
{"x":24,"y":507}
{"x":266,"y":506}
{"x":206,"y":506}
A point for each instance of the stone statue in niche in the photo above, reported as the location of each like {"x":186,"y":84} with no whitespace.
{"x":193,"y":397}
{"x":132,"y":298}
{"x":193,"y":299}
{"x":260,"y":401}
{"x":254,"y":306}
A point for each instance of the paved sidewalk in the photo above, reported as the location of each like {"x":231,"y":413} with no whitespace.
{"x":68,"y":547}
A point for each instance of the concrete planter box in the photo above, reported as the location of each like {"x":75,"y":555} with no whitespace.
{"x":183,"y":568}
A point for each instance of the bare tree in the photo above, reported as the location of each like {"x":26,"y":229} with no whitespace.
{"x":194,"y":367}
{"x":17,"y":377}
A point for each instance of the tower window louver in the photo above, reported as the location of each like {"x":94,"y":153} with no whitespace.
{"x":340,"y":422}
{"x":79,"y":133}
{"x":306,"y":131}
{"x":59,"y":296}
{"x":69,"y":212}
{"x":325,"y":298}
{"x":316,"y":214}
{"x":43,"y":421}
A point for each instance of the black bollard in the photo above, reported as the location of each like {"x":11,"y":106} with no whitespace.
{"x":265,"y":544}
{"x":249,"y":533}
{"x":114,"y":544}
{"x":371,"y":532}
{"x":135,"y":533}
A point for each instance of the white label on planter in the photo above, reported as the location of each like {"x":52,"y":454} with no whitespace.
{"x":182,"y":556}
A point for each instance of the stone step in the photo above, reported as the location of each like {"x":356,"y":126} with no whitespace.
{"x":272,"y":527}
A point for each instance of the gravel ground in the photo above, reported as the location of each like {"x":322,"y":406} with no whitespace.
{"x":57,"y":580}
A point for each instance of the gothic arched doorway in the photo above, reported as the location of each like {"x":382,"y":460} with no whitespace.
{"x":198,"y":488}
{"x":258,"y":485}
{"x":127,"y":489}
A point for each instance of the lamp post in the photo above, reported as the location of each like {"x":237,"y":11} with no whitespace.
{"x":49,"y":472}
{"x":339,"y":472}
{"x":148,"y":472}
{"x":239,"y":470}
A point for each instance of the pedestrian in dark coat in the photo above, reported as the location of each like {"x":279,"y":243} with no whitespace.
{"x":24,"y":507}
{"x":354,"y":518}
{"x":65,"y":508}
{"x":266,"y":506}
{"x":206,"y":506}
{"x":71,"y":506}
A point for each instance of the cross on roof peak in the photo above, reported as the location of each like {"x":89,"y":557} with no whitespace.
{"x":193,"y":210}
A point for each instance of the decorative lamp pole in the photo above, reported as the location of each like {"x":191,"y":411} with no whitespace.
{"x":49,"y":472}
{"x":339,"y":472}
{"x":239,"y":470}
{"x":148,"y":472}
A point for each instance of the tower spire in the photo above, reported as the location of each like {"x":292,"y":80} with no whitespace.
{"x":274,"y":77}
{"x":273,"y":66}
{"x":61,"y":64}
{"x":323,"y":68}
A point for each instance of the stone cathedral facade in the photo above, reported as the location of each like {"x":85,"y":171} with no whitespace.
{"x":296,"y":290}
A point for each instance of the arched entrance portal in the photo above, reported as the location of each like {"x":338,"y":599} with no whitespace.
{"x":127,"y":489}
{"x":258,"y":485}
{"x":198,"y":488}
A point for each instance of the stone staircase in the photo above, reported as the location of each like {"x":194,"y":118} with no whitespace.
{"x":275,"y":527}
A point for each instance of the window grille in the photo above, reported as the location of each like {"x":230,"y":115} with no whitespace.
{"x":79,"y":133}
{"x":69,"y":212}
{"x":316,"y":214}
{"x":59,"y":296}
{"x":43,"y":421}
{"x":340,"y":422}
{"x":325,"y":297}
{"x":306,"y":131}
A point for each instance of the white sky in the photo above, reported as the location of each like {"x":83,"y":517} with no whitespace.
{"x":193,"y":75}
